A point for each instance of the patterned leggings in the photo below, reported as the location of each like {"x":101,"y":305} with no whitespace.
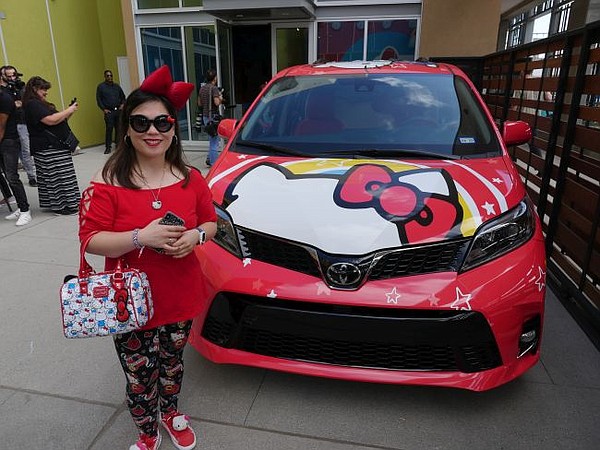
{"x":153,"y":364}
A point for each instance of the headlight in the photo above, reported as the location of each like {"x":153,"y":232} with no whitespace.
{"x":226,"y":235}
{"x":501,"y":235}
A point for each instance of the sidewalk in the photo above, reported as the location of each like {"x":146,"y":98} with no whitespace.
{"x":59,"y":394}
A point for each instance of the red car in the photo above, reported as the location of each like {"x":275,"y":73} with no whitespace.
{"x":373,"y":227}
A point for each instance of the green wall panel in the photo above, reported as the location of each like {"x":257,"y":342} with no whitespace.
{"x":88,"y":38}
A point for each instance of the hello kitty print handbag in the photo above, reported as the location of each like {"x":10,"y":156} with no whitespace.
{"x":105,"y":303}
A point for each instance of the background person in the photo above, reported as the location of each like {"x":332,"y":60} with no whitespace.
{"x":209,"y":101}
{"x":110,"y":98}
{"x":57,"y":181}
{"x":144,"y":178}
{"x":10,"y":148}
{"x":10,"y":81}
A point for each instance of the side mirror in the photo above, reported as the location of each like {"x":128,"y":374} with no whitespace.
{"x":226,"y":127}
{"x":516,"y":133}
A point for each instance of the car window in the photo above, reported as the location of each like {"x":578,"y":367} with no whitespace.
{"x":327,"y":114}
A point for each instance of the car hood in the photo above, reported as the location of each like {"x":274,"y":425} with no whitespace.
{"x":354,"y":207}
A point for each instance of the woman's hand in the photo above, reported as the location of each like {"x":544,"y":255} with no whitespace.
{"x":160,"y":236}
{"x":184,"y":245}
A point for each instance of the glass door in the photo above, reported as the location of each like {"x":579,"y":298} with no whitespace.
{"x":201,"y":55}
{"x":291,"y":45}
{"x":225,"y":74}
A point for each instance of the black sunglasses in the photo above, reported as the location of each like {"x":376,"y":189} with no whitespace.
{"x":141,"y":124}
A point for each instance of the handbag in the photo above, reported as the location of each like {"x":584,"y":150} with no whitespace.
{"x":70,"y":142}
{"x":212,"y":126}
{"x":105,"y":303}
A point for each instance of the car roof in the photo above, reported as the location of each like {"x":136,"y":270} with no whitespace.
{"x":378,"y":66}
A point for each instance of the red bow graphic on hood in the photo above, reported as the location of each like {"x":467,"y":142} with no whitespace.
{"x":420,"y":216}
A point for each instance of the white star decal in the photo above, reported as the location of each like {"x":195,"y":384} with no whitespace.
{"x":242,"y":156}
{"x":433,"y":300}
{"x":461,"y":299}
{"x":392,"y":297}
{"x":247,"y":261}
{"x":272,"y":294}
{"x":322,"y":288}
{"x":541,"y":279}
{"x":497,"y":180}
{"x":257,"y":285}
{"x":489,"y":208}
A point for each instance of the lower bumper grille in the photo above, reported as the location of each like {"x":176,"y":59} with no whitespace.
{"x":353,"y":336}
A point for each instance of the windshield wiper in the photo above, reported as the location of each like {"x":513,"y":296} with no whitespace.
{"x":401,"y":152}
{"x":269,"y":147}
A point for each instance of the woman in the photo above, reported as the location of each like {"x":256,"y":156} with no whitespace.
{"x":209,"y":100}
{"x":56,"y":179}
{"x":143,"y":179}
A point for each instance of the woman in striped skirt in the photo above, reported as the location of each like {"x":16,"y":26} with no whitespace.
{"x":57,"y":182}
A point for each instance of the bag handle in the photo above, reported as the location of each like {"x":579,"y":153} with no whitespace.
{"x":85,"y":269}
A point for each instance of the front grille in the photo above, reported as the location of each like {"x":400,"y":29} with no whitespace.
{"x":429,"y":258}
{"x":279,"y":253}
{"x":445,"y":257}
{"x":382,"y":338}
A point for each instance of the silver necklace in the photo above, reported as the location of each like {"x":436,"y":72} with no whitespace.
{"x":156,"y":204}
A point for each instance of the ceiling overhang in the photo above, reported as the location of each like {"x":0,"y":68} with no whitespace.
{"x":250,"y":10}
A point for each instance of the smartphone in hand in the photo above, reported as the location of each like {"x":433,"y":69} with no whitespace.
{"x":171,"y":218}
{"x":73,"y":101}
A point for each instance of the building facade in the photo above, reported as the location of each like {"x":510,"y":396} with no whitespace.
{"x":248,"y":41}
{"x":71,"y":42}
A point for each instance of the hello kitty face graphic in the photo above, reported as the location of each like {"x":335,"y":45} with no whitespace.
{"x":329,"y":210}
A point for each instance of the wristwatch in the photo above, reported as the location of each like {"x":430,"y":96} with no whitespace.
{"x":201,"y":236}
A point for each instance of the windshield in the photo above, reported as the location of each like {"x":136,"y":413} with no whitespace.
{"x":381,"y":113}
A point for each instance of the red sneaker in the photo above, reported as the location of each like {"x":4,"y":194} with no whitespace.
{"x":147,"y":442}
{"x":178,"y":427}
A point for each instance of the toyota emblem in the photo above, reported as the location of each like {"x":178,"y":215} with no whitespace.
{"x":343,"y":274}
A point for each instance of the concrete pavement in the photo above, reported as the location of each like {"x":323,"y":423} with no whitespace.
{"x":59,"y":394}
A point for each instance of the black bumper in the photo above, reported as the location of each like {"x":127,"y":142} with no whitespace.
{"x":382,"y":338}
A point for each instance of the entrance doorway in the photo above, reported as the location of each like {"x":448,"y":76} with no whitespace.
{"x":291,"y":45}
{"x":251,"y":45}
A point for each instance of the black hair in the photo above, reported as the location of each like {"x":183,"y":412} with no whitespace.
{"x":211,"y":74}
{"x":36,"y":83}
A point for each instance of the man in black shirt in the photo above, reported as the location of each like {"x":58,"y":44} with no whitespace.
{"x":110,"y":99}
{"x":10,"y":82}
{"x":10,"y":147}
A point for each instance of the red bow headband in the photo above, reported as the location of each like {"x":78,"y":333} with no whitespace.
{"x":161,"y":83}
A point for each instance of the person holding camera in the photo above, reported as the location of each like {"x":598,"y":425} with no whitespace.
{"x":57,"y":181}
{"x":110,"y":98}
{"x":10,"y":81}
{"x":10,"y":148}
{"x":210,"y":98}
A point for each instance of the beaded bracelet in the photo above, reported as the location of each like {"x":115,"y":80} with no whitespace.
{"x":136,"y":241}
{"x":135,"y":238}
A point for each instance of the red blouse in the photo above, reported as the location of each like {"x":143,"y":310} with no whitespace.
{"x":178,"y":285}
